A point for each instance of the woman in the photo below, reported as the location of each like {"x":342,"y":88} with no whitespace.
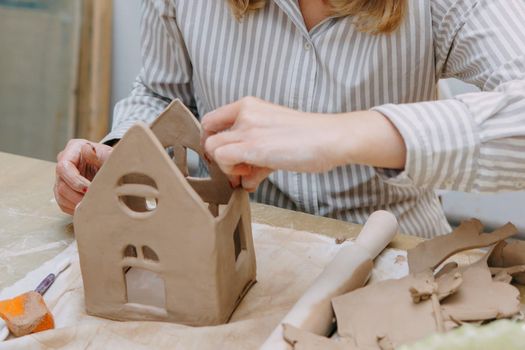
{"x":340,"y":125}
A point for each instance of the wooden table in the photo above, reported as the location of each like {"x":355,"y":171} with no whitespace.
{"x":33,"y":229}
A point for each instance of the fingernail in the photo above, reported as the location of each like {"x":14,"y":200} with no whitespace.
{"x":85,"y":189}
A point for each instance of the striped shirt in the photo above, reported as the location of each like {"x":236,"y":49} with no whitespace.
{"x":196,"y":51}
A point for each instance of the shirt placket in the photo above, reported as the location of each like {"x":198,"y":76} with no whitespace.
{"x":302,"y":187}
{"x":301,"y":98}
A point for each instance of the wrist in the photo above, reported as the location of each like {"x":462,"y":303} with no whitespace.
{"x":367,"y":138}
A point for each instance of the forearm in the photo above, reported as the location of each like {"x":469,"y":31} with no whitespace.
{"x":160,"y":80}
{"x":141,"y":105}
{"x":368,"y":138}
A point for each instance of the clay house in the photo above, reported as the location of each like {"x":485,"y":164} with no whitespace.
{"x":157,"y":244}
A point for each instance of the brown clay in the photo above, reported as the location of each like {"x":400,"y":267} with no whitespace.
{"x":448,"y":282}
{"x":391,"y":313}
{"x":503,"y":272}
{"x":384,"y":343}
{"x":507,"y":255}
{"x":385,"y":309}
{"x":304,"y":340}
{"x":431,"y":253}
{"x":480,"y":297}
{"x":142,"y":211}
{"x":413,"y":307}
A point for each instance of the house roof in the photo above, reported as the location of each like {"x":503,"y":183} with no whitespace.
{"x":139,"y":152}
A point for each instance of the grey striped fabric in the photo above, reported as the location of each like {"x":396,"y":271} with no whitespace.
{"x":196,"y":51}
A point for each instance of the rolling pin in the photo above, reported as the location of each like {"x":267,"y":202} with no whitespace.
{"x":349,"y":270}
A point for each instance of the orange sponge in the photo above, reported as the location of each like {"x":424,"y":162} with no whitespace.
{"x":26,"y":313}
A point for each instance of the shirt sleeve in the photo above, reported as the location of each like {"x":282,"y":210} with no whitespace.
{"x":476,"y":141}
{"x":166,"y":70}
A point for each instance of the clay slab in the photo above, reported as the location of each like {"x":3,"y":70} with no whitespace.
{"x":431,"y":253}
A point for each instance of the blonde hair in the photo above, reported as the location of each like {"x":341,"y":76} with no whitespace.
{"x":373,"y":16}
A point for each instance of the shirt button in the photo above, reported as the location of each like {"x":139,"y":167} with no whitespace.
{"x":307,"y":46}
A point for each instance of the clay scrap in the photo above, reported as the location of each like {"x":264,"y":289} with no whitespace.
{"x":188,"y":238}
{"x":304,"y":340}
{"x":429,"y":300}
{"x":469,"y":235}
{"x":479,"y":297}
{"x":386,"y":310}
{"x":509,"y":256}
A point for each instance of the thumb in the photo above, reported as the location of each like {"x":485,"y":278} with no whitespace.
{"x":95,"y":154}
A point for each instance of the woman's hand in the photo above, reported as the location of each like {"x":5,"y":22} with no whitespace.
{"x":77,"y":165}
{"x":251,"y":138}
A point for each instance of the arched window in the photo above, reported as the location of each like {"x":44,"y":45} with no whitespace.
{"x":130,"y":251}
{"x":149,"y":254}
{"x":138,"y":193}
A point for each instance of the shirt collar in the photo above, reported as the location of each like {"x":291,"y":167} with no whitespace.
{"x":292,"y":10}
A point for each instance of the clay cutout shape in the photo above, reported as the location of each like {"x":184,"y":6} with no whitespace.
{"x":431,"y":253}
{"x":384,"y":343}
{"x":442,"y":285}
{"x":505,"y":274}
{"x":143,"y":213}
{"x":304,"y":340}
{"x":507,"y":255}
{"x":480,"y":297}
{"x":502,"y":276}
{"x":423,"y":287}
{"x":446,"y":268}
{"x":448,"y":282}
{"x":385,"y":309}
